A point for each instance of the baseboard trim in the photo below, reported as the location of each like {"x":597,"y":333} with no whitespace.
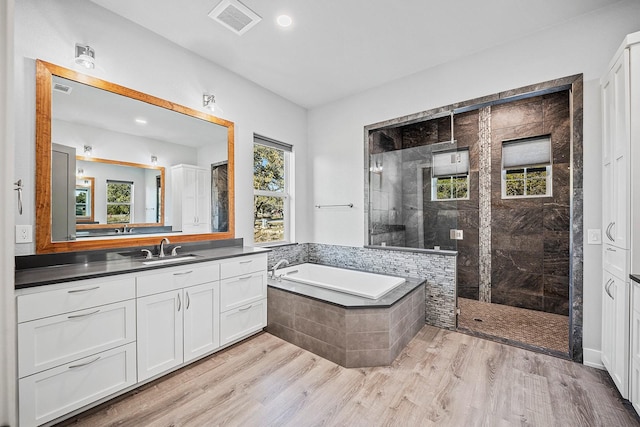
{"x":592,"y":358}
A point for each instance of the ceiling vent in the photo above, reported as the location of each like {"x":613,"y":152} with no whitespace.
{"x":59,"y":87}
{"x":235,"y":16}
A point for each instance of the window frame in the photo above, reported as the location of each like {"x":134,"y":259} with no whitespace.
{"x":286,"y":194}
{"x":130,"y":204}
{"x":434,"y":187}
{"x":549,"y":179}
{"x":526,"y":166}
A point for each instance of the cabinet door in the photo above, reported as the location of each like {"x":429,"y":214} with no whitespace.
{"x":201,"y":317}
{"x":52,"y":341}
{"x":619,"y":134}
{"x":615,"y":331}
{"x":243,"y":321}
{"x":202,"y":198}
{"x":159,"y":326}
{"x":634,"y":386}
{"x":55,"y":392}
{"x":189,"y":196}
{"x":608,"y":322}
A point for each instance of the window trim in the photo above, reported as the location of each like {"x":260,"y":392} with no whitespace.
{"x":549,"y":179}
{"x":434,"y":188}
{"x":130,"y":204}
{"x":285,"y":194}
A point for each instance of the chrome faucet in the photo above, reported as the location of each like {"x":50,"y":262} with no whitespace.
{"x":162,"y":242}
{"x":275,"y":267}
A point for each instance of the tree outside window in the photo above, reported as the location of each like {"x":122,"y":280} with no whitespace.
{"x":270,"y":194}
{"x":119,"y":202}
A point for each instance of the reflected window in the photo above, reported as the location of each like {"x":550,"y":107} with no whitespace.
{"x":450,"y":175}
{"x":119,"y":202}
{"x":526,"y":168}
{"x":272,"y":186}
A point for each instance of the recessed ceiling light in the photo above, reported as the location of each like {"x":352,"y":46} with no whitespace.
{"x":284,"y":20}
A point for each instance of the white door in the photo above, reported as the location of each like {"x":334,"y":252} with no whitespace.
{"x":159,"y":327}
{"x":201,"y":317}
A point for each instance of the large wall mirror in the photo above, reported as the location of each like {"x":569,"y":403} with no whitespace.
{"x":116,"y":167}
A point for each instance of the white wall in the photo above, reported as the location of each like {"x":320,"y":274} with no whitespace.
{"x":336,"y":137}
{"x":131,"y":56}
{"x":8,"y":373}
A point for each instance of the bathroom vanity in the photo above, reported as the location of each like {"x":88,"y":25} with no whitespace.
{"x":88,"y":332}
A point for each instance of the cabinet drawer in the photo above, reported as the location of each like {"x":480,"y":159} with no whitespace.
{"x":615,"y":261}
{"x":170,"y":279}
{"x":635,"y":292}
{"x":242,"y":321}
{"x":242,"y":290}
{"x":244,"y":265}
{"x":58,"y":391}
{"x":52,"y":341}
{"x":84,"y":294}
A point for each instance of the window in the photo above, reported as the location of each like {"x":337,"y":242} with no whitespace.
{"x":119,"y":202}
{"x":272,"y":190}
{"x":526,"y":168}
{"x":450,"y":175}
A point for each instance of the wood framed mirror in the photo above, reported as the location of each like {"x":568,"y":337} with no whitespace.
{"x":105,"y":123}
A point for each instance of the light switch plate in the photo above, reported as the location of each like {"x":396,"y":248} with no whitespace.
{"x":594,"y":236}
{"x":24,"y":234}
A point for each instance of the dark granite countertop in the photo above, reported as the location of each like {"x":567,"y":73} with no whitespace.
{"x":635,"y":277}
{"x":34,"y":271}
{"x":344,"y":300}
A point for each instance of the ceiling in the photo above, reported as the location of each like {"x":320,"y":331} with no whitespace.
{"x":336,"y":48}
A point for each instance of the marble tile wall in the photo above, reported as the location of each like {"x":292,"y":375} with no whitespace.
{"x":530,"y":237}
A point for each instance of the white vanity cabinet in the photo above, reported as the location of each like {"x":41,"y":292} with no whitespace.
{"x":191,"y":189}
{"x":76,"y":344}
{"x":178,"y":312}
{"x":243,"y":297}
{"x":83,"y":342}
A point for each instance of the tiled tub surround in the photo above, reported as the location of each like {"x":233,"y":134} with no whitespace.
{"x":355,"y":333}
{"x":436,"y":268}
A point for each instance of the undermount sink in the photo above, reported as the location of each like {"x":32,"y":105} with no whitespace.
{"x":169,"y":259}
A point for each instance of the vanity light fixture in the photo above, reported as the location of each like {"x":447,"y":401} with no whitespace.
{"x":209,"y":102}
{"x":88,"y":150}
{"x":85,"y":56}
{"x":80,"y":172}
{"x":154,"y":160}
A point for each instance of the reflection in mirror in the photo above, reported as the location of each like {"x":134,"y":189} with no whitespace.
{"x":85,"y":197}
{"x":116,"y":128}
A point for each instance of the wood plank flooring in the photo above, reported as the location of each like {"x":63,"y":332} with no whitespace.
{"x":442,"y":378}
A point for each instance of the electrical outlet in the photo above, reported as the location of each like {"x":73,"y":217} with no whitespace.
{"x":594,"y":236}
{"x":23,"y":234}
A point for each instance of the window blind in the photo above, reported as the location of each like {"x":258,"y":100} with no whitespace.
{"x":449,"y":163}
{"x":263,"y":140}
{"x":526,"y":152}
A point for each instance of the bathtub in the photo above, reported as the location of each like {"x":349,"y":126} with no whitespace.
{"x":359,"y":283}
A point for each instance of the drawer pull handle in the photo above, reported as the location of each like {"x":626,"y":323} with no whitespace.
{"x":246,"y":308}
{"x":184,"y":273}
{"x":77,"y":291}
{"x":246,"y":262}
{"x":244,"y":278}
{"x":611,"y":250}
{"x":75,"y":316}
{"x":84,"y":364}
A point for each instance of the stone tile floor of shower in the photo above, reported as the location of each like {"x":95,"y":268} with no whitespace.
{"x":533,"y":329}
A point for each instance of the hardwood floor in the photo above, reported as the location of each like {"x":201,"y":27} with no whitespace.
{"x":442,"y":378}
